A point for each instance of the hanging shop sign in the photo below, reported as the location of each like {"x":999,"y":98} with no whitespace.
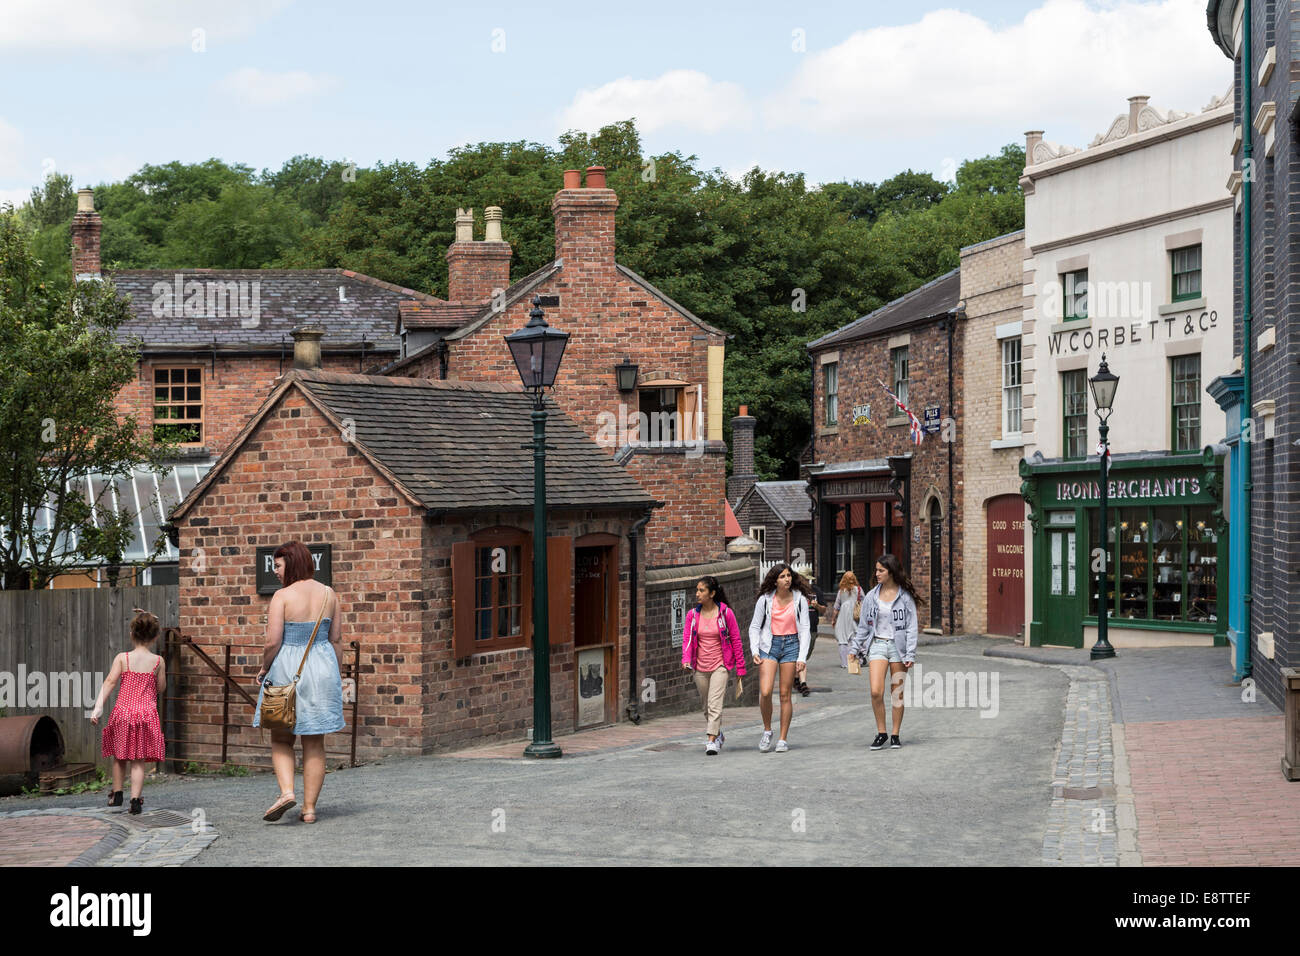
{"x":268,"y":583}
{"x":931,"y":425}
{"x":848,"y":488}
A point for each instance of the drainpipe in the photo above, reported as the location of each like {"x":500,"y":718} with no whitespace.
{"x":633,"y":689}
{"x":952,"y":502}
{"x":1247,"y":80}
{"x":812,"y":444}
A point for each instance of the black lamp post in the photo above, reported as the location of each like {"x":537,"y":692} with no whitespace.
{"x":537,"y":349}
{"x":1103,"y":385}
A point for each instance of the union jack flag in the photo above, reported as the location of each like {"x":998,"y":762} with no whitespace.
{"x":915,"y":423}
{"x":1104,"y":449}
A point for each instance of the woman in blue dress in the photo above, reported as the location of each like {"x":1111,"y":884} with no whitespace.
{"x":319,"y":704}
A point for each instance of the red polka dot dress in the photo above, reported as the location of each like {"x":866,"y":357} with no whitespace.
{"x":133,"y":731}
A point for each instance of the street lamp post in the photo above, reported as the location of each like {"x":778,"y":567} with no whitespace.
{"x":537,"y":349}
{"x":1103,"y":385}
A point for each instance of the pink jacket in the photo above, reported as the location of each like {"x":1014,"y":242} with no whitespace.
{"x":733,"y":654}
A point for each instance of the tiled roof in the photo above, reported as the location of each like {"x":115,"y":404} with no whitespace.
{"x":352,"y":307}
{"x":936,"y":298}
{"x":455,"y":446}
{"x":788,"y":499}
{"x":436,"y":315}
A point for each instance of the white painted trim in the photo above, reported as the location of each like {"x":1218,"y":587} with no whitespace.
{"x":1267,"y":339}
{"x":1192,"y":346}
{"x":830,"y":357}
{"x":1009,"y":330}
{"x":1072,"y":364}
{"x":1011,"y":441}
{"x":898,"y":341}
{"x":1187,"y":305}
{"x":1267,"y":64}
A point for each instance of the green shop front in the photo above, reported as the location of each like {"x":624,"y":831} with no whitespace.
{"x":1167,"y":540}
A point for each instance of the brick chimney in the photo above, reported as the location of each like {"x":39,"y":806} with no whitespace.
{"x":306,"y":346}
{"x":584,"y":220}
{"x":742,"y":456}
{"x":86,"y":229}
{"x":476,"y":269}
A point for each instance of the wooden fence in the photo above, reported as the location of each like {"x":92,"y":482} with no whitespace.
{"x":57,"y":646}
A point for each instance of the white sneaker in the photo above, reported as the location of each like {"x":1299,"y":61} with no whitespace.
{"x":765,"y":744}
{"x":711,"y":748}
{"x":781,"y":747}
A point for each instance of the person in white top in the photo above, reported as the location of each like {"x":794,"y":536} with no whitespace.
{"x":886,"y":636}
{"x":779,"y":639}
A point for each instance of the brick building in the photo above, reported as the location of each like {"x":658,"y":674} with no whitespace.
{"x":874,"y":491}
{"x":1261,"y":393}
{"x":664,"y":423}
{"x":993,"y":567}
{"x":212,"y":346}
{"x":422,"y":497}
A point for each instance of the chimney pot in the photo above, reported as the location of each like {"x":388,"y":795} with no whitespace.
{"x":85,"y":200}
{"x":87,"y":227}
{"x":493,"y":217}
{"x":572,"y":179}
{"x":306,"y":346}
{"x":465,"y":224}
{"x":595,"y":177}
{"x":744,"y":410}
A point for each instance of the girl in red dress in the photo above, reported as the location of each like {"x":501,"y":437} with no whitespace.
{"x":134,"y":732}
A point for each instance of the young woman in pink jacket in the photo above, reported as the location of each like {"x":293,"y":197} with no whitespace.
{"x":710,"y":648}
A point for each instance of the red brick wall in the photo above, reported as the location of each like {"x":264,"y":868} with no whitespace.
{"x":231,"y":394}
{"x":294,"y":477}
{"x":862,"y":365}
{"x":476,"y":269}
{"x":689,"y":528}
{"x":87,"y":228}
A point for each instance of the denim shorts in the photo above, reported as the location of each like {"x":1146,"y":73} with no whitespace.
{"x":785,"y":649}
{"x":884,"y":649}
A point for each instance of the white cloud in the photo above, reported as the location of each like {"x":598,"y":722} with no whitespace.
{"x":685,"y":98}
{"x":14,"y":197}
{"x":1069,"y":65}
{"x":127,"y":26}
{"x":255,"y":87}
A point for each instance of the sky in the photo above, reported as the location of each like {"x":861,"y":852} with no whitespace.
{"x":837,"y":91}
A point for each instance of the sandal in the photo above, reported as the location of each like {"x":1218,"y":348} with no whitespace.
{"x":307,"y":816}
{"x":279,"y":807}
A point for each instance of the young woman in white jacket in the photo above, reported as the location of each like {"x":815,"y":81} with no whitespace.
{"x":779,"y":637}
{"x":886,"y":637}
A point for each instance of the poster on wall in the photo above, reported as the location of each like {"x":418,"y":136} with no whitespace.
{"x":591,"y":687}
{"x":679,"y":617}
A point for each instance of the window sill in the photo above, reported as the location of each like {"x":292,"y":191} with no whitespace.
{"x":1015,"y":442}
{"x":1187,"y":305}
{"x":828,"y":430}
{"x":896,"y":420}
{"x":1071,"y":325}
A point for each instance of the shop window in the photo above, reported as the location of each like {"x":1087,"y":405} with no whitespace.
{"x":898,"y":362}
{"x":1167,"y":563}
{"x":1074,"y":395}
{"x":1074,"y":289}
{"x":1186,"y":270}
{"x":492,"y":576}
{"x":1186,"y":415}
{"x":1011,"y":403}
{"x":1202,"y":566}
{"x":178,"y":405}
{"x":831,"y":380}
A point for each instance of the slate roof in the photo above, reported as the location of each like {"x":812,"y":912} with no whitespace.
{"x":285,"y":298}
{"x":454,"y":446}
{"x":936,"y":298}
{"x":436,"y":315}
{"x":789,"y":499}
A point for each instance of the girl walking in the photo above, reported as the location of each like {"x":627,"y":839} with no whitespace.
{"x":886,"y":635}
{"x":711,"y":647}
{"x":779,"y":636}
{"x":846,"y":613}
{"x":134,"y":732}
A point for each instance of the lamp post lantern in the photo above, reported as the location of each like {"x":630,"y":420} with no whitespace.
{"x":1103,"y":385}
{"x":537,"y":349}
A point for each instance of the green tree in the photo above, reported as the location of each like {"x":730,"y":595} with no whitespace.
{"x":63,"y":371}
{"x":52,"y":204}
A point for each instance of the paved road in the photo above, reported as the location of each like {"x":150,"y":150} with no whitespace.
{"x":964,"y":789}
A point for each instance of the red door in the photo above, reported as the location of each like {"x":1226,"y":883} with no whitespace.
{"x":1006,"y":564}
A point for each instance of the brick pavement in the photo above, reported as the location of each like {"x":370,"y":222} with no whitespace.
{"x":47,"y":839}
{"x":1210,"y":793}
{"x":99,"y":836}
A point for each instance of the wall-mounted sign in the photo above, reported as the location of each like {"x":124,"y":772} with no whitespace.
{"x":268,"y":583}
{"x":931,"y":421}
{"x":1110,"y":338}
{"x":591,"y":687}
{"x":679,"y":617}
{"x":846,"y":488}
{"x":862,"y":414}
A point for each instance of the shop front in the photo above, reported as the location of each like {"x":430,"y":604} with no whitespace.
{"x":1166,"y":541}
{"x":860,"y":516}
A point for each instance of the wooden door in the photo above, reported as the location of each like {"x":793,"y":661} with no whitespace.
{"x":1005,"y":564}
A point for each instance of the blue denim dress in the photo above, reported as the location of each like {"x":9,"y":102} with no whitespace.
{"x":319,"y":704}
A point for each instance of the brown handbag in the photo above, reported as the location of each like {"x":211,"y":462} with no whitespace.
{"x":280,"y":704}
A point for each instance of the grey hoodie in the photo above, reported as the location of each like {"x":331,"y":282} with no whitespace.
{"x":900,"y":626}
